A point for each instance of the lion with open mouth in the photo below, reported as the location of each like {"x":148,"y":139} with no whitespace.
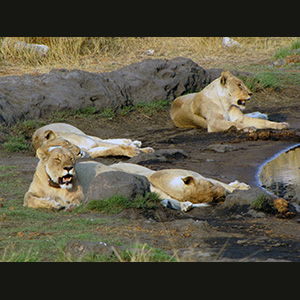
{"x":218,"y":107}
{"x":55,"y":183}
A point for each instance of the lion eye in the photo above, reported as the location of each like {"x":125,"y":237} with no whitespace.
{"x":58,"y":160}
{"x":240,"y":85}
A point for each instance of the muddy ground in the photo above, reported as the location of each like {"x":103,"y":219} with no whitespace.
{"x":202,"y":234}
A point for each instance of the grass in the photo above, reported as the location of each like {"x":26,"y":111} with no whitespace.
{"x":285,"y":51}
{"x":19,"y":136}
{"x":29,"y":235}
{"x":118,"y":203}
{"x":98,"y":54}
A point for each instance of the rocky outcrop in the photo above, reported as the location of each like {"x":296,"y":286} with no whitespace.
{"x":30,"y":96}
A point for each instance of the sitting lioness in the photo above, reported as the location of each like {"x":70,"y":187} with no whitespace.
{"x":55,"y":184}
{"x":90,"y":146}
{"x":218,"y":107}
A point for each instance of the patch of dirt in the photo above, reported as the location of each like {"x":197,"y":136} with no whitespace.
{"x":202,"y":234}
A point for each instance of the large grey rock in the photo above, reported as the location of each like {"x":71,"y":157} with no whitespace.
{"x":109,"y":184}
{"x":31,"y":96}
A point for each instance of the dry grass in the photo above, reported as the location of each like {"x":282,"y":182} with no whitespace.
{"x":99,"y":54}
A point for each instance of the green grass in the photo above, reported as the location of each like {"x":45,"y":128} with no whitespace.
{"x":284,"y":52}
{"x":29,"y":235}
{"x":118,"y":203}
{"x":16,"y":144}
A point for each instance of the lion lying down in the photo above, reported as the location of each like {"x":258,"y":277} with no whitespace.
{"x":60,"y":133}
{"x":60,"y":183}
{"x":218,"y":107}
{"x":179,"y":189}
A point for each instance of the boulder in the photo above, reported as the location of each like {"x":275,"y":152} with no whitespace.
{"x":109,"y":184}
{"x":33,"y":96}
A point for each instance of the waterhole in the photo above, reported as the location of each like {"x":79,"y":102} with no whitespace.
{"x":281,"y":175}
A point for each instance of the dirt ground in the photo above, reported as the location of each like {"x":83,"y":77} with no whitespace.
{"x":202,"y":234}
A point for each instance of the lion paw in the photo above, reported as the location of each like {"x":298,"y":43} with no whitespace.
{"x":239,"y":185}
{"x":282,"y":125}
{"x":70,"y":207}
{"x":137,"y":143}
{"x":249,"y":129}
{"x":147,"y":150}
{"x":55,"y":205}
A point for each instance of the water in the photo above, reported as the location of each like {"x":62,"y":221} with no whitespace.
{"x":281,"y":175}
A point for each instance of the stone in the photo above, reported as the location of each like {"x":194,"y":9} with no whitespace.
{"x":230,"y":43}
{"x":33,"y":96}
{"x":159,"y":156}
{"x":111,"y":183}
{"x":244,"y":200}
{"x":79,"y":249}
{"x":40,"y":50}
{"x":221,"y":148}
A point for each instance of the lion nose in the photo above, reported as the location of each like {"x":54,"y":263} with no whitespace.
{"x":68,"y":168}
{"x":250,"y":94}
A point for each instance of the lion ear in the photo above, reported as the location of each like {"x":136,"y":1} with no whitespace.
{"x":188,"y":180}
{"x":224,"y":77}
{"x":49,"y":135}
{"x":41,"y":154}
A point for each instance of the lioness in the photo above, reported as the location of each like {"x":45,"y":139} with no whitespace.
{"x":90,"y":146}
{"x":179,"y":189}
{"x":218,"y":107}
{"x":55,"y":184}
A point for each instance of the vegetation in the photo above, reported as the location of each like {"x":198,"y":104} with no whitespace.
{"x":42,"y":235}
{"x":29,"y":235}
{"x":284,"y":52}
{"x":117,"y":203}
{"x":98,"y":54}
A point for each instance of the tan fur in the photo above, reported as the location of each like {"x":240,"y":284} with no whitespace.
{"x":218,"y":107}
{"x":90,"y":146}
{"x":55,"y":184}
{"x":181,"y":185}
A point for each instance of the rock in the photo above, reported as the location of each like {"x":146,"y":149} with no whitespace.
{"x":31,"y":96}
{"x":221,"y":148}
{"x":244,"y":200}
{"x":40,"y":50}
{"x":159,"y":156}
{"x":109,"y":184}
{"x":78,"y":249}
{"x":230,"y":43}
{"x":278,"y":63}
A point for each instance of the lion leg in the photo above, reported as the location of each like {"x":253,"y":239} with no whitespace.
{"x":222,"y":125}
{"x":35,"y":202}
{"x":231,"y":186}
{"x":118,"y":150}
{"x":173,"y":203}
{"x":147,"y":150}
{"x":264,"y":124}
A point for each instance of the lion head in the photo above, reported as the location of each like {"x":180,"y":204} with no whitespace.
{"x":184,"y":185}
{"x":238,"y":93}
{"x":59,"y":166}
{"x":48,"y":139}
